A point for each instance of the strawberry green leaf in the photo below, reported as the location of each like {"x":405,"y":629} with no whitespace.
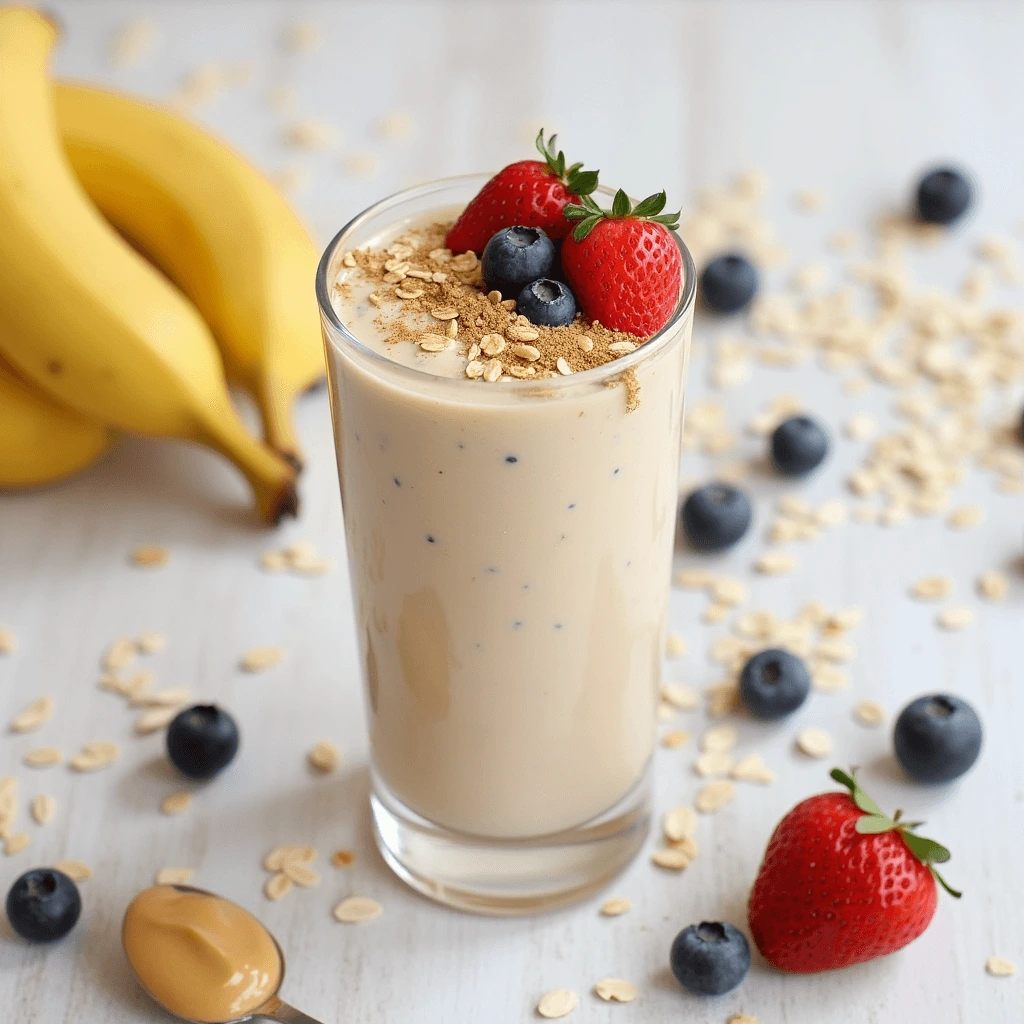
{"x":927,"y":851}
{"x":574,"y":212}
{"x":670,"y":220}
{"x":620,"y":204}
{"x":581,"y":183}
{"x":843,"y":779}
{"x":945,"y":885}
{"x":585,"y":227}
{"x":873,"y":824}
{"x":651,"y":206}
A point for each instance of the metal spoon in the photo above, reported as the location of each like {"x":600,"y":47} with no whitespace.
{"x":272,"y":1009}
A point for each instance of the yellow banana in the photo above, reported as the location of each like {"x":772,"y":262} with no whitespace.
{"x":41,"y":441}
{"x":84,"y":316}
{"x":217,"y":228}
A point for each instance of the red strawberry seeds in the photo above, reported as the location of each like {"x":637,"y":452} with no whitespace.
{"x":842,"y":883}
{"x":530,"y":193}
{"x":623,"y":264}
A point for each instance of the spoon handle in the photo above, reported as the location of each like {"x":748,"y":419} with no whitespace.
{"x":278,"y":1010}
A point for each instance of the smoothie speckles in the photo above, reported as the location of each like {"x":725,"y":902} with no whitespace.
{"x":511,"y":459}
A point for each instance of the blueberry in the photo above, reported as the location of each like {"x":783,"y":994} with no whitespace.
{"x":43,"y":905}
{"x":937,"y":737}
{"x":516,"y":256}
{"x":943,"y":195}
{"x":774,"y":683}
{"x":799,"y":445}
{"x":548,"y":302}
{"x":716,"y":516}
{"x":202,"y":741}
{"x":728,"y":283}
{"x":710,"y":958}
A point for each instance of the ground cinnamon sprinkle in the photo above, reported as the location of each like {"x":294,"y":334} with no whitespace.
{"x":417,"y":275}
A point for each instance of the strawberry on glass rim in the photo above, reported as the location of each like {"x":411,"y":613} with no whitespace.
{"x":842,"y":882}
{"x":623,"y":264}
{"x":529,"y":193}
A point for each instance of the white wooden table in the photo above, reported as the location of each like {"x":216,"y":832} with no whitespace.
{"x":850,"y":97}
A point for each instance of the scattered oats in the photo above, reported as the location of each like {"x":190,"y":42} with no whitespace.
{"x":682,"y":698}
{"x":664,"y":712}
{"x":277,"y":886}
{"x":809,"y":200}
{"x":675,"y":645}
{"x":395,"y":125}
{"x":474,"y":352}
{"x":993,"y":585}
{"x":827,"y":678}
{"x":1000,"y":967}
{"x":809,"y":278}
{"x":324,"y":756}
{"x":715,"y":613}
{"x":722,"y":698}
{"x":616,"y":907}
{"x":452,"y":330}
{"x":343,"y":858}
{"x":831,"y":513}
{"x":409,"y":293}
{"x":675,"y":738}
{"x":742,"y":1018}
{"x":687,"y":846}
{"x":834,"y":650}
{"x":585,"y":344}
{"x":492,"y":344}
{"x":563,"y":367}
{"x":869,"y":713}
{"x":670,"y":859}
{"x":289,"y":180}
{"x":301,"y":36}
{"x":714,"y":796}
{"x":440,"y":255}
{"x":134,"y":688}
{"x":374,"y":299}
{"x":175,"y":876}
{"x":300,"y":874}
{"x":720,"y":739}
{"x":150,"y":556}
{"x":966,"y":517}
{"x":865,"y":514}
{"x":348,"y":260}
{"x":526,"y":352}
{"x":814,"y":742}
{"x":841,"y":621}
{"x":693,"y":579}
{"x":860,"y":427}
{"x":843,"y":240}
{"x":679,"y":823}
{"x":775,"y":563}
{"x":559,"y":1002}
{"x":752,"y":769}
{"x":172,"y":697}
{"x":494,"y":298}
{"x":260,"y":658}
{"x":36,"y":715}
{"x":150,"y":643}
{"x":43,"y":808}
{"x":8,"y":641}
{"x":433,"y":343}
{"x":16,"y":843}
{"x":932,"y":588}
{"x":356,"y":909}
{"x":712,"y":763}
{"x":444,"y":313}
{"x":132,"y":42}
{"x":176,"y":803}
{"x":465,"y":263}
{"x":492,"y":370}
{"x":156,"y":719}
{"x":856,"y":385}
{"x":120,"y":654}
{"x":76,"y":870}
{"x":43,"y":757}
{"x":615,"y":990}
{"x":95,"y":756}
{"x":728,"y":591}
{"x":994,"y":249}
{"x":621,"y":348}
{"x":955,"y":617}
{"x":474,"y":369}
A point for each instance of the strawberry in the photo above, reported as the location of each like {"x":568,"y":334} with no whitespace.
{"x":530,"y":193}
{"x":842,"y":883}
{"x":623,"y":264}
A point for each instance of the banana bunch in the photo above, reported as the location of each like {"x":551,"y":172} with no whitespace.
{"x":142,"y":265}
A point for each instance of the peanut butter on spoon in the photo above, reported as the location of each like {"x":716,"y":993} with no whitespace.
{"x":204,"y":958}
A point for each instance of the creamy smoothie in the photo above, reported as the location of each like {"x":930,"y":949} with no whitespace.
{"x":510,"y":517}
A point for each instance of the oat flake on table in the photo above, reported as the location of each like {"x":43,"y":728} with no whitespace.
{"x":752,"y":769}
{"x":615,"y":990}
{"x":814,"y":742}
{"x":869,"y":713}
{"x":42,"y":808}
{"x":175,"y":876}
{"x":559,"y":1002}
{"x":343,"y":858}
{"x":674,"y":738}
{"x":95,"y":756}
{"x":1000,"y":967}
{"x":993,"y":585}
{"x":670,"y":859}
{"x":932,"y":588}
{"x":680,"y":823}
{"x":357,"y":909}
{"x":16,"y":843}
{"x":955,"y":617}
{"x":35,"y":716}
{"x":719,"y":739}
{"x":8,"y":640}
{"x":42,"y":757}
{"x":176,"y":803}
{"x":76,"y":870}
{"x":150,"y":556}
{"x":713,"y":762}
{"x":616,"y":907}
{"x":324,"y":756}
{"x":257,"y":659}
{"x":277,"y":886}
{"x":714,"y":796}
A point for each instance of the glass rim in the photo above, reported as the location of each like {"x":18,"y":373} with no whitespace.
{"x":595,"y":375}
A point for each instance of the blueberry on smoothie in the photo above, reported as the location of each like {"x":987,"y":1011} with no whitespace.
{"x":774,"y":683}
{"x":728,"y":283}
{"x":202,"y":741}
{"x":937,"y":738}
{"x":547,"y":302}
{"x":716,"y":516}
{"x":516,"y":256}
{"x":943,"y":195}
{"x":43,"y":905}
{"x":799,"y":445}
{"x":710,"y":958}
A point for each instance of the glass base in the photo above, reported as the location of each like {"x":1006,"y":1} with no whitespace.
{"x":505,"y":876}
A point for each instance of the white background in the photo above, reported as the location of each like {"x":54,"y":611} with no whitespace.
{"x":853,"y":98}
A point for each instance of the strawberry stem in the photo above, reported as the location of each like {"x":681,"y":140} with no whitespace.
{"x":589,"y":214}
{"x":875,"y":821}
{"x":575,"y":179}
